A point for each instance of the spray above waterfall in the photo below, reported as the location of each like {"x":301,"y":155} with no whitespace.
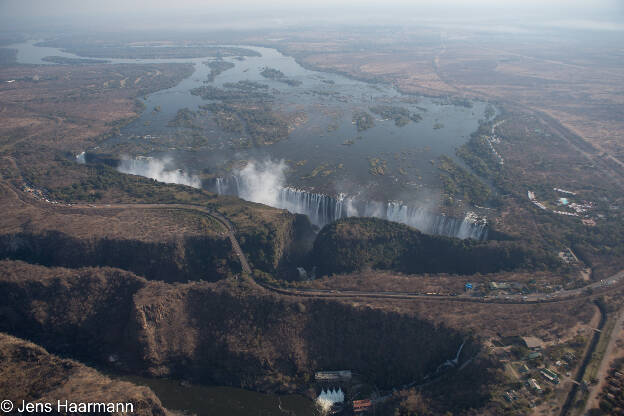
{"x":161,"y":170}
{"x":264,"y":182}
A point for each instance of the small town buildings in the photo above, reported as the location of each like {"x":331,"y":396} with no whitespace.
{"x":568,"y":256}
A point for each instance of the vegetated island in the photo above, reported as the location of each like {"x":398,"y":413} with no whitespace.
{"x":184,"y":118}
{"x":245,"y":106}
{"x":123,"y":51}
{"x":217,"y":67}
{"x":62,"y":60}
{"x":400,"y":115}
{"x":277,"y":75}
{"x":363,"y":120}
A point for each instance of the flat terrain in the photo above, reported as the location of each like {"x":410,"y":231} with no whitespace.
{"x":577,"y":80}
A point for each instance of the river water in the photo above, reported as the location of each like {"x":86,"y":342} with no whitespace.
{"x":191,"y":399}
{"x":218,"y":401}
{"x":325,"y":151}
{"x":322,"y":140}
{"x":378,"y":169}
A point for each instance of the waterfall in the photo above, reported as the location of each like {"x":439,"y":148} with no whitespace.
{"x":81,"y":158}
{"x":323,"y":209}
{"x":452,"y":362}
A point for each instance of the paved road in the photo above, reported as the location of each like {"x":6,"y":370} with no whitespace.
{"x":214,"y":215}
{"x":591,"y":290}
{"x":597,"y":288}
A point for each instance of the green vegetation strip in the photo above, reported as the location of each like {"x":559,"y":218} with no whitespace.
{"x":601,"y":348}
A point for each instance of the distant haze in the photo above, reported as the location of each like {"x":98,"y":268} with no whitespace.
{"x":238,"y":14}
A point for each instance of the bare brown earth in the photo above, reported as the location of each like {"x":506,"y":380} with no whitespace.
{"x":68,"y":107}
{"x":36,"y":216}
{"x":380,"y":281}
{"x":29,"y":373}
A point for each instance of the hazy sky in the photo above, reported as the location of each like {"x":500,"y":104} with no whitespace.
{"x":597,"y":14}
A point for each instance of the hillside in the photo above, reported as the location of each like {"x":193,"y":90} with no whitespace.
{"x":218,"y":333}
{"x":29,"y":373}
{"x":354,"y":244}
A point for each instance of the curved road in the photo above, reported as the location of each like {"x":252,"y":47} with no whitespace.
{"x":597,"y":288}
{"x":591,"y":290}
{"x":562,"y":295}
{"x":214,"y":215}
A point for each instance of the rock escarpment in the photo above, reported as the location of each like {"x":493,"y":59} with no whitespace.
{"x":353,"y":244}
{"x":179,"y":258}
{"x":228,"y":332}
{"x":29,"y":373}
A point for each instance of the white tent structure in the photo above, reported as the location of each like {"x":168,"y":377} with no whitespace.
{"x":326,"y":399}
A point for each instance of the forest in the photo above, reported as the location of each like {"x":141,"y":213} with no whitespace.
{"x":354,"y":244}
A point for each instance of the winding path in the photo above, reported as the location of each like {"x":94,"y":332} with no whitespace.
{"x":589,"y":291}
{"x":212,"y":214}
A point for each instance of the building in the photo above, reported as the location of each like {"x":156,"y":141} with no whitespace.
{"x":533,"y":385}
{"x":499,"y":285}
{"x":550,"y":375}
{"x":362,"y":405}
{"x":341,"y":375}
{"x":568,"y":256}
{"x":532,"y":343}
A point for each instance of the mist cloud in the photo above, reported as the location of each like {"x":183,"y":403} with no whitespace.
{"x":263,"y":181}
{"x":185,"y":15}
{"x":158,"y":169}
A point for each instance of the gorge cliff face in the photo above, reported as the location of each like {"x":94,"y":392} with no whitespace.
{"x":280,"y":248}
{"x":180,"y":258}
{"x":29,"y":373}
{"x":354,"y":244}
{"x":226,"y":333}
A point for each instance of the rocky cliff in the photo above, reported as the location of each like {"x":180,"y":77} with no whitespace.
{"x":227,"y":332}
{"x":353,"y":244}
{"x":29,"y":373}
{"x":173,"y":259}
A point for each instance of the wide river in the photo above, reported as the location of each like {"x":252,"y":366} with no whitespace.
{"x":324,"y":153}
{"x":192,"y":399}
